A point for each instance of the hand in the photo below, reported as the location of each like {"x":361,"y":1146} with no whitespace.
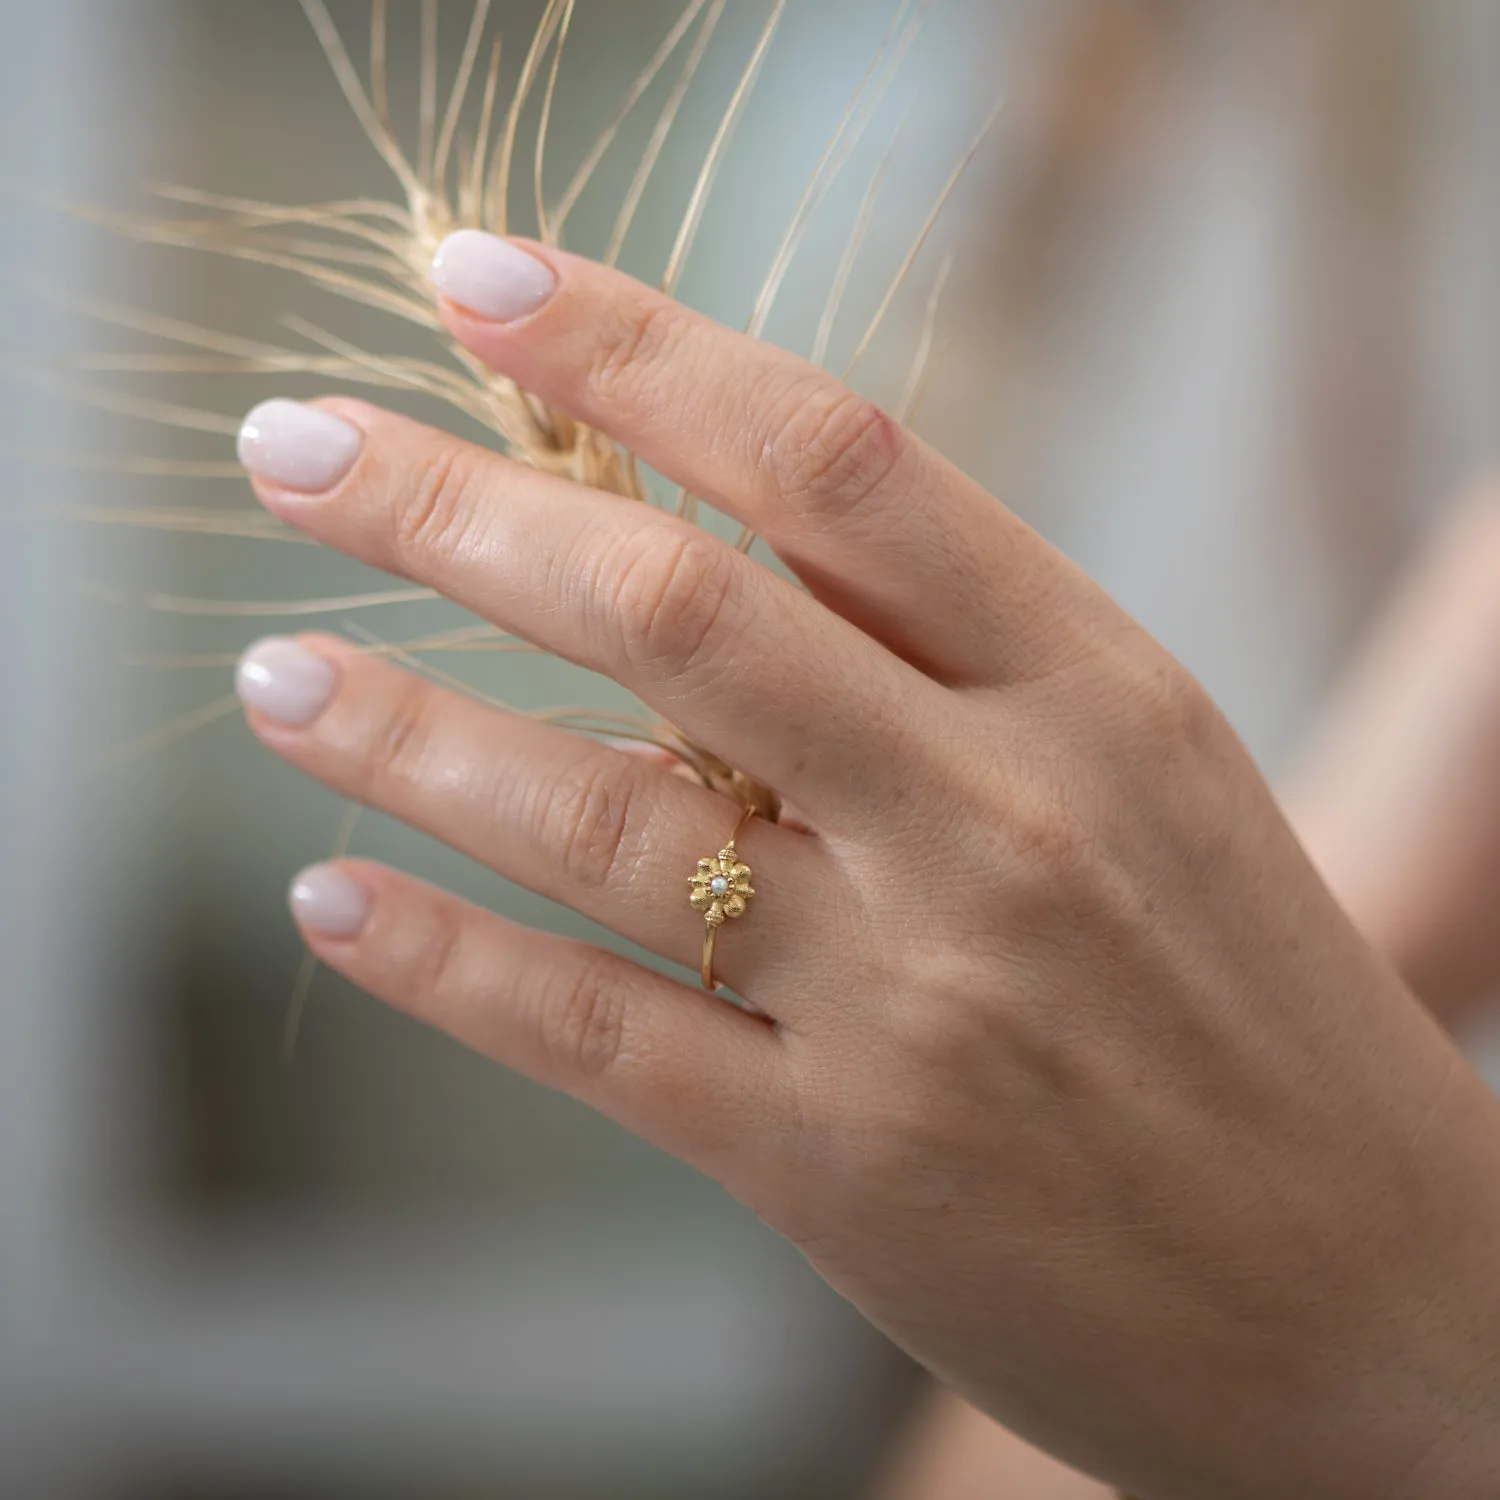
{"x":1398,"y":800}
{"x":1070,"y":1072}
{"x":1398,"y":803}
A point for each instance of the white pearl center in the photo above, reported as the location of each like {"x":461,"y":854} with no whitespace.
{"x":719,"y":885}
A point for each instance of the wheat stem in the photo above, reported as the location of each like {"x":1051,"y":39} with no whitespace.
{"x":662,"y":129}
{"x":340,"y":216}
{"x":257,"y":208}
{"x":544,"y":125}
{"x":156,"y":468}
{"x":457,"y":641}
{"x":168,"y":734}
{"x":427,"y":79}
{"x":931,"y":222}
{"x":499,"y":196}
{"x":711,"y":163}
{"x":380,"y":93}
{"x":381,"y":137}
{"x":474,"y":204}
{"x":171,"y":329}
{"x":248,"y":525}
{"x":296,"y":1006}
{"x":916,"y":379}
{"x":407,"y":374}
{"x":172,"y":604}
{"x":354,"y":288}
{"x":219,"y":364}
{"x":583,"y":719}
{"x":326,"y":251}
{"x":296,"y":1010}
{"x":460,"y":93}
{"x":844,"y":275}
{"x":165,"y":413}
{"x":426,"y":668}
{"x":643,"y":81}
{"x":836,"y":154}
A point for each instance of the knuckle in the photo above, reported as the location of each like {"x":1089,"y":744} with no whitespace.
{"x":1177,"y":714}
{"x":438,"y":959}
{"x":433,"y":519}
{"x":587,"y":820}
{"x":676,"y":603}
{"x":397,"y":753}
{"x":1052,"y":841}
{"x":833,"y":453}
{"x":582,"y":1017}
{"x":942,"y":1030}
{"x":640,"y":344}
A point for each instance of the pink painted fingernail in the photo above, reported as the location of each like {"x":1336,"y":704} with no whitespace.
{"x":279,"y":678}
{"x":325,"y":900}
{"x":298,"y":447}
{"x":491,"y":277}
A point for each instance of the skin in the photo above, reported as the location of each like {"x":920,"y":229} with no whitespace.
{"x":1071,"y":1073}
{"x":1397,"y":802}
{"x":1397,"y":799}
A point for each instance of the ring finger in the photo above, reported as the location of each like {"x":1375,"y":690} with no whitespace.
{"x":614,"y":836}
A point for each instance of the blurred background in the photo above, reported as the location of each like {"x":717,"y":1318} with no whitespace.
{"x":1221,"y":323}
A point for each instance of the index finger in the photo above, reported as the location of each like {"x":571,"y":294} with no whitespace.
{"x":880,"y":527}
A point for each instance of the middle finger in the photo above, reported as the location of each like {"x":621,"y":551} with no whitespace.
{"x":737,"y":658}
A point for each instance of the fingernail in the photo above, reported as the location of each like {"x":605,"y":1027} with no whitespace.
{"x":326,"y":900}
{"x":491,"y":277}
{"x":280,"y":679}
{"x":298,"y":447}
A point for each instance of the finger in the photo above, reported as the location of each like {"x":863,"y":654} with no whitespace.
{"x":613,"y":836}
{"x":737,"y":659}
{"x":879,"y":526}
{"x":690,"y":1074}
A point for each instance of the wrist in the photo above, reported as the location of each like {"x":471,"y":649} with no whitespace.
{"x":1372,"y":1370}
{"x":1452,"y":1427}
{"x":1418,"y":1382}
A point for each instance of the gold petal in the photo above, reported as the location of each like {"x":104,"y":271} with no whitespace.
{"x":706,"y":867}
{"x":735,"y":905}
{"x":700,"y":899}
{"x":741,"y":872}
{"x":745,"y":888}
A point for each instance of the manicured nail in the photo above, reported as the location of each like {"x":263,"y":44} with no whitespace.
{"x":298,"y":447}
{"x":278,"y":678}
{"x":491,"y":277}
{"x":326,"y":900}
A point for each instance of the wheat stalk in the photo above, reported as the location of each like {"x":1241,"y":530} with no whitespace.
{"x":378,"y":254}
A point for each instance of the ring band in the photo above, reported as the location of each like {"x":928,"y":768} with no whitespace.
{"x":721,"y":890}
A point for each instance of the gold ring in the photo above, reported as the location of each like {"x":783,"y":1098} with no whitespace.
{"x":721,"y":891}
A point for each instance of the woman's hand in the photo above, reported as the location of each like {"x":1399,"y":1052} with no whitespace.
{"x":1071,"y":1073}
{"x":1398,"y":804}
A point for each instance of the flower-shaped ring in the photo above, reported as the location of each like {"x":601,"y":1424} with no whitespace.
{"x":721,"y":890}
